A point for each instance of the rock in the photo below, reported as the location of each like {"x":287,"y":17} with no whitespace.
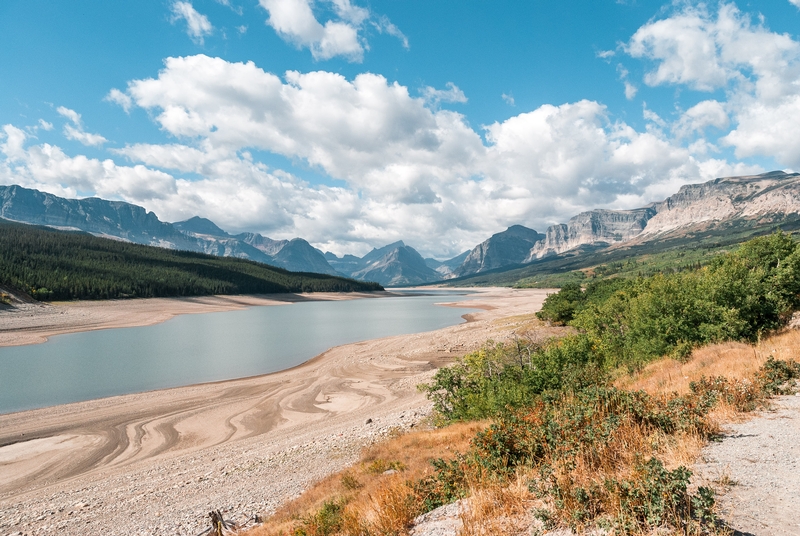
{"x":443,"y":521}
{"x":368,"y":421}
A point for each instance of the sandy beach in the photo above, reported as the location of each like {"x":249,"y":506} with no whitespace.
{"x":157,"y":462}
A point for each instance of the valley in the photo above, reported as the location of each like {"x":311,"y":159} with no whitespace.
{"x":720,"y":212}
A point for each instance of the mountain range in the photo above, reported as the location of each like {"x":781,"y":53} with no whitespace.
{"x":759,"y":200}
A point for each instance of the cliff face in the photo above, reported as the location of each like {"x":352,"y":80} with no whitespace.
{"x":771,"y":195}
{"x":765,"y":198}
{"x":114,"y":219}
{"x":591,"y":228}
{"x":121,"y":220}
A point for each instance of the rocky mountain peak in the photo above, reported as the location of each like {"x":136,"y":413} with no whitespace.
{"x":508,"y":247}
{"x":200,"y":226}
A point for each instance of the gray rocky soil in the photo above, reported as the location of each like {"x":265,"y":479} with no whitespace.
{"x":756,"y":471}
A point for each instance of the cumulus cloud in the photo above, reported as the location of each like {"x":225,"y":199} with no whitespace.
{"x":706,"y":51}
{"x":118,"y":97}
{"x":759,"y":69}
{"x":770,"y":129}
{"x":76,"y":132}
{"x":406,"y":169}
{"x":434,"y":97}
{"x":197,"y":25}
{"x":47,"y":167}
{"x":44,"y":125}
{"x":708,"y":113}
{"x":294,"y":21}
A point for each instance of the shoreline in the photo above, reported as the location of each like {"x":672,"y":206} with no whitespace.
{"x":35,"y":323}
{"x":249,"y":443}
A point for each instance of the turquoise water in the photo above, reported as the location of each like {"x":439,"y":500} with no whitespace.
{"x":207,"y":347}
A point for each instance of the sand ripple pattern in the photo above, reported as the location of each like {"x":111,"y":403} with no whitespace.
{"x":156,"y":463}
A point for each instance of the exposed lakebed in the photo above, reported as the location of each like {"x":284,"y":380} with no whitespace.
{"x":208,"y":347}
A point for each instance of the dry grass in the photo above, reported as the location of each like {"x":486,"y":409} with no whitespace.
{"x":497,"y":509}
{"x":373,"y":502}
{"x":372,"y":497}
{"x":733,"y":360}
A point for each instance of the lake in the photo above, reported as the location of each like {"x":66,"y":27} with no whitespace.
{"x":207,"y":347}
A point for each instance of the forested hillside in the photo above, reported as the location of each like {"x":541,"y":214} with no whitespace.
{"x":57,"y":265}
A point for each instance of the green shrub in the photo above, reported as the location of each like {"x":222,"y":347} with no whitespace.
{"x":327,"y":521}
{"x":497,"y":377}
{"x":775,"y":376}
{"x":739,"y":296}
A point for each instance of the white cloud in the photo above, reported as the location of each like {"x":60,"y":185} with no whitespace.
{"x":384,"y":25}
{"x":355,"y":15}
{"x":508,"y":98}
{"x":72,"y":115}
{"x":294,"y":21}
{"x":75,"y":130}
{"x":724,"y":49}
{"x":13,"y":146}
{"x":86,"y":138}
{"x":406,"y":169}
{"x":651,"y":116}
{"x":197,"y":25}
{"x":44,"y":125}
{"x":707,"y":51}
{"x":434,"y":97}
{"x":771,"y":129}
{"x":48,"y":168}
{"x":411,"y":162}
{"x":227,"y":3}
{"x":708,"y":113}
{"x":795,"y":2}
{"x":118,"y":97}
{"x":630,"y":90}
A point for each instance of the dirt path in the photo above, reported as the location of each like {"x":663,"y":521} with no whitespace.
{"x":756,"y":471}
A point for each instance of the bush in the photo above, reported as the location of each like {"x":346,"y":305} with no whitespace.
{"x":740,"y":296}
{"x":591,"y":458}
{"x":486,"y":382}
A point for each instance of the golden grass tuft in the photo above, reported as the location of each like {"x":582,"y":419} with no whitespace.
{"x":733,"y":360}
{"x":496,"y":509}
{"x":374,"y":499}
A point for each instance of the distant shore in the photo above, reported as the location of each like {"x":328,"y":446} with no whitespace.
{"x":165,"y":458}
{"x":33,"y":323}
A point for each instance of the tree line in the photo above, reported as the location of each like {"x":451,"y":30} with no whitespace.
{"x":61,"y":265}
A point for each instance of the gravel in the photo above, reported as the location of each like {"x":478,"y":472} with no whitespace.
{"x":174,"y":497}
{"x":755,"y":469}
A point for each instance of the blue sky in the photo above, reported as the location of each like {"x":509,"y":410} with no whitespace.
{"x":354,"y":123}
